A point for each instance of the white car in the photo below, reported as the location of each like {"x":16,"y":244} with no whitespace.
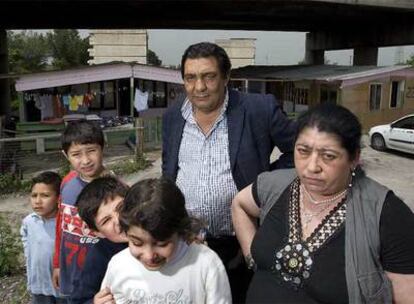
{"x":398,"y":135}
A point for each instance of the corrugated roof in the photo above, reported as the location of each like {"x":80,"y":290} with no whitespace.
{"x":326,"y":73}
{"x":95,"y":73}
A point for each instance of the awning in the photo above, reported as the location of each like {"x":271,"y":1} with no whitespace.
{"x":95,"y":73}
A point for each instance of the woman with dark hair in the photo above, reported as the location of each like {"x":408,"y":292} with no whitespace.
{"x":328,"y":233}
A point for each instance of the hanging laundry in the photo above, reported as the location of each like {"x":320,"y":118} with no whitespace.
{"x":65,"y":99}
{"x":87,"y":99}
{"x":79,"y":100}
{"x":57,"y":107}
{"x":45,"y":105}
{"x":141,"y":100}
{"x":73,"y":103}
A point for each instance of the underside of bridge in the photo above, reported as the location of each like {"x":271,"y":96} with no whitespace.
{"x":331,"y":24}
{"x":291,"y":15}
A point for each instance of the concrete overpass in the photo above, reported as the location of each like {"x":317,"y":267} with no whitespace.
{"x":363,"y":25}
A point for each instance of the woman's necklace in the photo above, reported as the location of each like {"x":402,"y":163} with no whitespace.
{"x":326,"y":201}
{"x":307,"y":216}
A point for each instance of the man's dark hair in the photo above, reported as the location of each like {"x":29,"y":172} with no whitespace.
{"x":49,"y":178}
{"x":336,"y":120}
{"x":97,"y":193}
{"x":204,"y":50}
{"x":82,"y":132}
{"x":157,"y":206}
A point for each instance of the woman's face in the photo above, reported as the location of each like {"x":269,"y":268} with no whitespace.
{"x":321,"y":162}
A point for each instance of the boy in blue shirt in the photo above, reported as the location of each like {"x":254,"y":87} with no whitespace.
{"x":38,"y":237}
{"x":82,"y":144}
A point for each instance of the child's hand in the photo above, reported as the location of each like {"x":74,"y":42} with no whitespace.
{"x":104,"y":297}
{"x":55,"y":278}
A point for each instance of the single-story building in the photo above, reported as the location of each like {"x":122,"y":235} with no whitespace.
{"x":112,"y":93}
{"x":104,"y":90}
{"x":376,"y":95}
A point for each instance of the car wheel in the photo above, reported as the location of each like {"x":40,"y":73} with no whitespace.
{"x":378,"y":142}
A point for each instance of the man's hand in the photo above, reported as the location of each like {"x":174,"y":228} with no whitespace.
{"x":104,"y":297}
{"x":56,"y":278}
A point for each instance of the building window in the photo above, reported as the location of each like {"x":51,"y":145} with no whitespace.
{"x":397,"y":94}
{"x":374,"y":97}
{"x":328,"y":95}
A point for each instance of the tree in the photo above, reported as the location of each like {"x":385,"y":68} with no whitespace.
{"x":410,"y":60}
{"x":28,"y":52}
{"x":68,"y":49}
{"x":152,"y":58}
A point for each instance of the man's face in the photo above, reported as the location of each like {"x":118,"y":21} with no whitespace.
{"x":204,"y":84}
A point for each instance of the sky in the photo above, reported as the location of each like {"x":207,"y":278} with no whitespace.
{"x":272,"y":48}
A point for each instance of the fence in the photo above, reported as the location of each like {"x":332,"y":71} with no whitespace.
{"x":25,"y":154}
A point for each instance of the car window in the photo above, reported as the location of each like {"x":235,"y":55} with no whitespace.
{"x":406,"y":123}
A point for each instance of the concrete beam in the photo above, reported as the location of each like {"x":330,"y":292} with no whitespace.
{"x":4,"y":69}
{"x":400,"y":34}
{"x":366,"y":56}
{"x":313,"y":56}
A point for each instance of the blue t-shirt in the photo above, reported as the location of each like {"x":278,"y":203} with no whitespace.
{"x":94,"y":271}
{"x":76,"y":239}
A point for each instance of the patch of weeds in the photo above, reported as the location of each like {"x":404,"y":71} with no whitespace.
{"x":10,"y":249}
{"x":129,"y":166}
{"x":10,"y":183}
{"x":20,"y":294}
{"x":64,"y":168}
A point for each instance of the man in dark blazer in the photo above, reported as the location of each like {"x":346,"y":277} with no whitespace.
{"x":216,"y":142}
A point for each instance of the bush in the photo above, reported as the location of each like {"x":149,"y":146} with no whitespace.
{"x":10,"y":183}
{"x":10,"y":249}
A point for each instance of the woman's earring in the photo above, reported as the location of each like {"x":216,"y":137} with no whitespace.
{"x":352,"y":177}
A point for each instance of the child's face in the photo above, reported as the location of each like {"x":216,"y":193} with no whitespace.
{"x":86,"y":159}
{"x":107,"y":221}
{"x":153,"y":254}
{"x":44,"y":200}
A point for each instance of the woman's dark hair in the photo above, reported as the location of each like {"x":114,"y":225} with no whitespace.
{"x":82,"y":132}
{"x":336,"y":120}
{"x":204,"y":50}
{"x":158,"y":206}
{"x":49,"y":178}
{"x":97,"y":193}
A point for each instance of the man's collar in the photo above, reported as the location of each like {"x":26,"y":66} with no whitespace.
{"x":187,"y":107}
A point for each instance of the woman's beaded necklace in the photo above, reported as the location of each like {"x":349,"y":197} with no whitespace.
{"x":332,"y":199}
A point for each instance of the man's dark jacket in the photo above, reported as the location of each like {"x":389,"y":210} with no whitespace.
{"x":256,"y":124}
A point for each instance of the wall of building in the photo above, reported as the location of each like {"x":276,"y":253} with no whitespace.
{"x":118,"y":45}
{"x":242,"y":51}
{"x":356,"y":98}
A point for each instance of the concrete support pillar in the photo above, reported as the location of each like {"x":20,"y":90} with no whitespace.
{"x":4,"y":69}
{"x":313,"y":56}
{"x":365,"y":56}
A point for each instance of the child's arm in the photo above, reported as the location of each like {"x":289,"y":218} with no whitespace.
{"x":56,"y":255}
{"x":104,"y":297}
{"x":23,"y":234}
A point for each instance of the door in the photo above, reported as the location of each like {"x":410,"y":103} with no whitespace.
{"x":402,"y":135}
